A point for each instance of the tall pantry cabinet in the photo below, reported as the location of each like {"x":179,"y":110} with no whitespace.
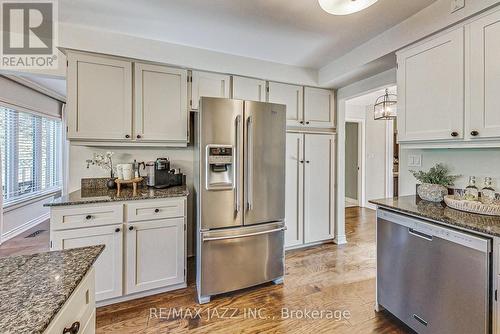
{"x":310,"y":162}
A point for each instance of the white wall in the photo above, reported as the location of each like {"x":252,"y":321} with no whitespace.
{"x":351,"y":160}
{"x":18,"y":219}
{"x":179,"y":158}
{"x":466,"y":162}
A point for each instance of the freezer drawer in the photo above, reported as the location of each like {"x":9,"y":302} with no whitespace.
{"x":434,"y":279}
{"x":237,"y":258}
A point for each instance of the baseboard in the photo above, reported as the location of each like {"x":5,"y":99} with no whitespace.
{"x":138,"y":295}
{"x":351,"y":202}
{"x":340,"y":239}
{"x":24,"y":227}
{"x":311,"y":244}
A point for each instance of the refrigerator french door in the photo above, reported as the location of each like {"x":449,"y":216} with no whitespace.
{"x":240,"y":194}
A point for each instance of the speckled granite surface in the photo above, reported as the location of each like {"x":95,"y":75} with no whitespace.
{"x":99,"y":195}
{"x":440,"y":213}
{"x":33,"y":288}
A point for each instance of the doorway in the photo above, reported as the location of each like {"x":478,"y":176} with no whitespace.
{"x":371,"y":152}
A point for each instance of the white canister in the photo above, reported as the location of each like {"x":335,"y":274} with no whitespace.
{"x":128,"y":172}
{"x":119,"y":171}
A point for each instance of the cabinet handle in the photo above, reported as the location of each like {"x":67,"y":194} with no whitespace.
{"x":127,"y":136}
{"x":88,"y":217}
{"x":138,"y":136}
{"x":474,"y":133}
{"x":117,"y":230}
{"x":74,"y":329}
{"x":157,"y":210}
{"x":130,"y":228}
{"x":454,"y":134}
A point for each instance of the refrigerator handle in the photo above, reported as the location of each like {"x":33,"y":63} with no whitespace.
{"x":249,"y":163}
{"x":237,"y":165}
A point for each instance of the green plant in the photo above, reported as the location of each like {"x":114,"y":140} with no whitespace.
{"x":439,"y":174}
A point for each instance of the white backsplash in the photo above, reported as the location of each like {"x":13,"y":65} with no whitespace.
{"x":465,"y":162}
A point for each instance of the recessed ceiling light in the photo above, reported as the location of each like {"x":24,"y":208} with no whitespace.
{"x":345,"y":7}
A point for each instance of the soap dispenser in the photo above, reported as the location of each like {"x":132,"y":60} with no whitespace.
{"x":487,"y":193}
{"x":471,"y":191}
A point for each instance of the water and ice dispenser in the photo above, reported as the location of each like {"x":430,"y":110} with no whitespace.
{"x":220,"y":170}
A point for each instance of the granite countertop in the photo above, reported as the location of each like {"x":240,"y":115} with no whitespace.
{"x":99,"y":195}
{"x":440,"y":213}
{"x":33,"y":288}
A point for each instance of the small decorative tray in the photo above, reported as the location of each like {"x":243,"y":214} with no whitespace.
{"x":455,"y":202}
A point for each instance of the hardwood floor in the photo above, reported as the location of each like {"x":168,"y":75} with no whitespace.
{"x":326,"y":278}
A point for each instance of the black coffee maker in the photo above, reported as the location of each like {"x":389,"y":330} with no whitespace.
{"x":159,"y":174}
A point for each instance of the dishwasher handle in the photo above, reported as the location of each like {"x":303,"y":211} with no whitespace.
{"x":420,"y":234}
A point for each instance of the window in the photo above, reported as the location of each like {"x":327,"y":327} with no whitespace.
{"x":30,"y":147}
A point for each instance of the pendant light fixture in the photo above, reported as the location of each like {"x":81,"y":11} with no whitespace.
{"x":385,"y":107}
{"x":345,"y":7}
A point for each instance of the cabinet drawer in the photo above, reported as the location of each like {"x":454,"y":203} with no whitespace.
{"x":86,"y":216}
{"x":80,"y":307}
{"x":158,"y":209}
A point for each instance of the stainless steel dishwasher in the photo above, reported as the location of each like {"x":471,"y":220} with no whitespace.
{"x":434,"y":279}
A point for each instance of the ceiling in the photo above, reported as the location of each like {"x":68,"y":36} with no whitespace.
{"x":294,"y":32}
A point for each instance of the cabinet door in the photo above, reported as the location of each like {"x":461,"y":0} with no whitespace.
{"x":294,"y":198}
{"x":108,"y":266}
{"x":99,"y":98}
{"x":208,"y":84}
{"x":249,"y":89}
{"x":155,"y":254}
{"x":160,"y":103}
{"x":484,"y":113}
{"x":431,"y":89}
{"x":318,"y":107}
{"x":292,"y":97}
{"x":319,"y":172}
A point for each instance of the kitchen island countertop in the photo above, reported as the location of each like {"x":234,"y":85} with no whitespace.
{"x":441,"y":214}
{"x":33,"y":288}
{"x":99,"y":195}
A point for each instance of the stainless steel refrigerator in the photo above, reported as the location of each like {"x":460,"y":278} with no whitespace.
{"x":240,"y":194}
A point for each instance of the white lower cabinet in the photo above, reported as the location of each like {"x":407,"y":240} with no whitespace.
{"x":310,"y":170}
{"x":108,"y":266}
{"x":145,"y":252}
{"x":154,"y":255}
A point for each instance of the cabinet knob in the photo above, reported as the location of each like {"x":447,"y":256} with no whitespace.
{"x":127,"y":136}
{"x":301,"y":161}
{"x":307,"y":122}
{"x":157,"y":210}
{"x":474,"y":133}
{"x":138,"y":136}
{"x":88,"y":217}
{"x":454,"y":134}
{"x":130,"y":228}
{"x":74,"y":329}
{"x":307,"y":161}
{"x":117,"y":230}
{"x":301,"y":122}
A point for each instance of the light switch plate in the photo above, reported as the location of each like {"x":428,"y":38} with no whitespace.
{"x":415,"y":160}
{"x":457,"y":5}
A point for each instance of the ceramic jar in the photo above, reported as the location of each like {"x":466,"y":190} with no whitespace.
{"x":432,"y":192}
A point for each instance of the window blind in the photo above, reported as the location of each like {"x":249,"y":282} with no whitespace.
{"x":30,"y":153}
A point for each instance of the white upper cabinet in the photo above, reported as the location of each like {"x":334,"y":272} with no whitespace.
{"x":155,"y":253}
{"x":319,"y":175}
{"x":99,"y":98}
{"x":161,"y":110}
{"x":208,"y":84}
{"x":431,"y":89}
{"x":294,"y":234}
{"x":292,"y":97}
{"x":249,"y":89}
{"x":484,"y":112}
{"x":318,"y":107}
